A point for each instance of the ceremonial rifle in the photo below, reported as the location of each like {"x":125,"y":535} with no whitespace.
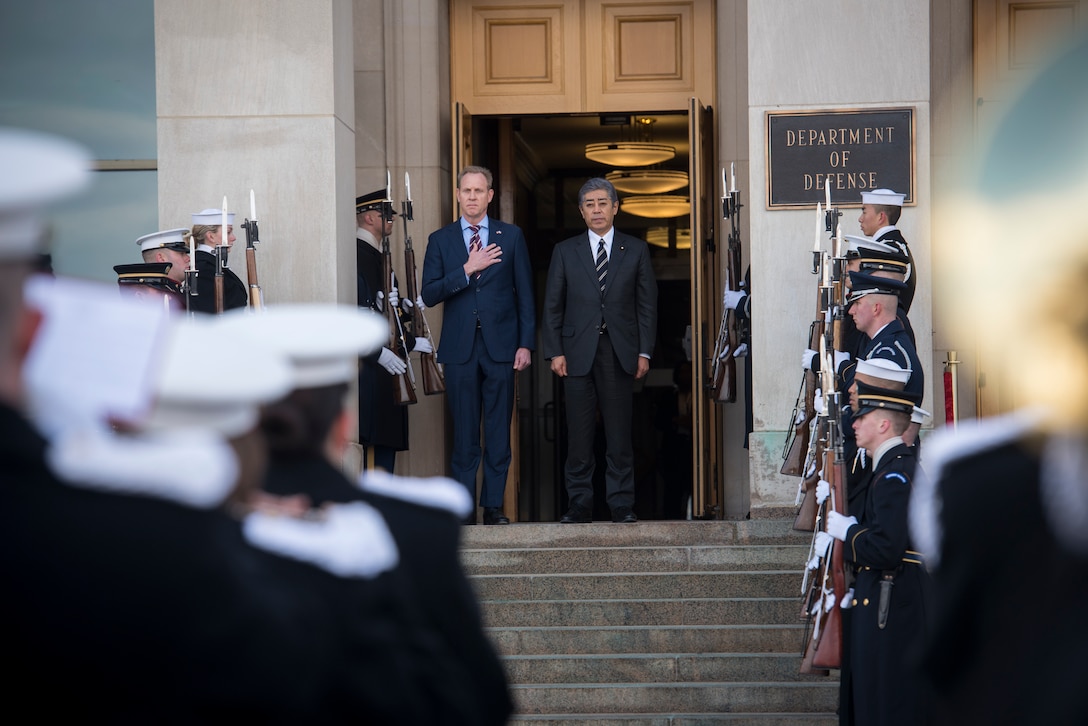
{"x":829,"y":646}
{"x":222,"y":250}
{"x":404,"y":393}
{"x":731,"y":333}
{"x":430,"y":371}
{"x":191,"y":276}
{"x":256,"y":298}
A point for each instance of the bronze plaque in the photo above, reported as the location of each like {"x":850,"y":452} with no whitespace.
{"x":854,"y":151}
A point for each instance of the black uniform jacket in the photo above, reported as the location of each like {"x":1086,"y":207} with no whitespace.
{"x":138,"y":610}
{"x":884,"y":687}
{"x":382,"y":421}
{"x":465,"y":683}
{"x":235,"y":292}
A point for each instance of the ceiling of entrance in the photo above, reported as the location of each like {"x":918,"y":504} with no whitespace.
{"x":558,"y":142}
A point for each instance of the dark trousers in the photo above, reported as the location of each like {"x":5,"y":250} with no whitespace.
{"x":384,"y":457}
{"x":609,"y":388}
{"x":481,"y":385}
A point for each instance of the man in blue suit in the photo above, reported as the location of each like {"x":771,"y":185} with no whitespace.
{"x":479,"y":267}
{"x":600,"y":320}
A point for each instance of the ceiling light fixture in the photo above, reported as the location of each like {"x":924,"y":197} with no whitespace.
{"x":630,"y":153}
{"x":647,"y":181}
{"x":659,"y":237}
{"x":661,"y":206}
{"x":639,"y":152}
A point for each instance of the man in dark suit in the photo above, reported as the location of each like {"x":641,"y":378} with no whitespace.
{"x":207,"y":231}
{"x":479,"y":267}
{"x":600,"y":319}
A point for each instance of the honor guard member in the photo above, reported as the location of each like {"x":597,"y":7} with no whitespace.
{"x":441,"y":667}
{"x":150,"y":281}
{"x":383,"y":423}
{"x":873,"y":305}
{"x":880,"y":210}
{"x":888,"y":604}
{"x":171,"y":246}
{"x":207,"y":233}
{"x":195,"y":604}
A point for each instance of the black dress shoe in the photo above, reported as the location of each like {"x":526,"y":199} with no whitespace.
{"x":624,"y":516}
{"x":494,"y":515}
{"x":576,"y":516}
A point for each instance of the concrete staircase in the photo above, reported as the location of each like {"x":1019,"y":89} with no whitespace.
{"x":651,"y":624}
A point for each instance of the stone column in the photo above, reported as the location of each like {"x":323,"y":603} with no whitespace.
{"x":402,"y":108}
{"x":259,"y":96}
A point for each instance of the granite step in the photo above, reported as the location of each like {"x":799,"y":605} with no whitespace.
{"x":704,"y":558}
{"x":648,"y":639}
{"x":656,"y":668}
{"x":642,"y":534}
{"x":821,"y":697}
{"x":664,"y":611}
{"x":674,"y":719}
{"x":632,"y":585}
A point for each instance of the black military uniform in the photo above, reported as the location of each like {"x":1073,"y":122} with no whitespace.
{"x":235,"y":293}
{"x":152,"y":275}
{"x":1011,"y":586}
{"x":880,"y":686}
{"x":144,"y":610}
{"x":383,"y":423}
{"x":464,"y":682}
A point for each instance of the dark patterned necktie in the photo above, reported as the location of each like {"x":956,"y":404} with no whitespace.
{"x":474,"y":243}
{"x":602,"y":263}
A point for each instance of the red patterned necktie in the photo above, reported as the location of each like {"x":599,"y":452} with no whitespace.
{"x":474,"y":243}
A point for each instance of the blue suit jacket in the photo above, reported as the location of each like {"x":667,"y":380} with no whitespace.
{"x":501,"y":299}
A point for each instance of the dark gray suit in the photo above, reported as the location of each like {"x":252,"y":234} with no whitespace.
{"x":601,"y":335}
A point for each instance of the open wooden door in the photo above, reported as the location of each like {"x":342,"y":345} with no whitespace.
{"x":460,"y":147}
{"x":707,"y":489}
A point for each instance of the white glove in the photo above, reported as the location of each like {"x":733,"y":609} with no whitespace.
{"x":423,"y":346}
{"x":823,"y":491}
{"x":838,"y":525}
{"x":394,"y":296}
{"x":391,"y":362}
{"x":822,"y":543}
{"x":840,"y":358}
{"x":731,"y":299}
{"x":818,"y":402}
{"x":741,"y":351}
{"x":847,"y":600}
{"x":379,"y":301}
{"x":419,"y":302}
{"x":809,"y":361}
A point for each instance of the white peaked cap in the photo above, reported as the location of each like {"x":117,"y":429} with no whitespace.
{"x":322,"y":342}
{"x":36,"y":170}
{"x":166,"y":238}
{"x":883,"y":369}
{"x":214,"y":379}
{"x":883,"y":196}
{"x":212,"y":217}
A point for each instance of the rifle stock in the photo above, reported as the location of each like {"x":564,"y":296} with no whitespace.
{"x":404,"y":392}
{"x":256,"y":299}
{"x":433,"y":380}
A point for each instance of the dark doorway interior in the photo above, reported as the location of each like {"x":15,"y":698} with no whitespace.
{"x":549,"y":166}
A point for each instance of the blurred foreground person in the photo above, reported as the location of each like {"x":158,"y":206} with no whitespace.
{"x":439,"y":667}
{"x":1003,"y":517}
{"x":152,"y":582}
